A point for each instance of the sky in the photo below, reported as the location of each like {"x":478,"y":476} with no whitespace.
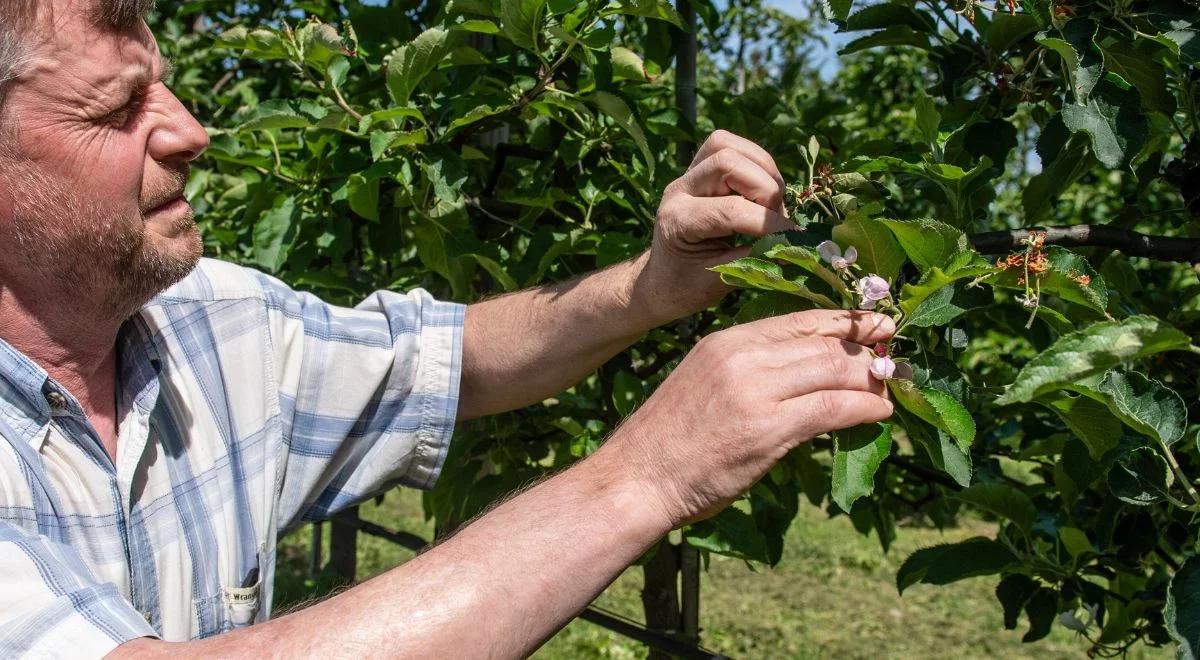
{"x":826,"y":57}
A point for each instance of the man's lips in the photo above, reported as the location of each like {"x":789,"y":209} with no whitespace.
{"x":170,"y":202}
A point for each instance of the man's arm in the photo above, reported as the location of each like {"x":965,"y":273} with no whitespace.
{"x":502,"y":585}
{"x":521,"y":348}
{"x":498,"y":588}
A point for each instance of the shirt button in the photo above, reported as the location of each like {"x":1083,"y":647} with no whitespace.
{"x":57,"y":401}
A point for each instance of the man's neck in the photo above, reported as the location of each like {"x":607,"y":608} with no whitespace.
{"x":76,"y":348}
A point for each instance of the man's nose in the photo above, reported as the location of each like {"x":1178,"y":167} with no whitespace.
{"x":177,"y":138}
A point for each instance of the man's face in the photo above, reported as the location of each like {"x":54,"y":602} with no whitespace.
{"x":94,"y":153}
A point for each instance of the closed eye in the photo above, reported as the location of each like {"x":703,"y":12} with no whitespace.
{"x":121,"y":117}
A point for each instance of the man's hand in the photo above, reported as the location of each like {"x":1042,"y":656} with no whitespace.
{"x":742,"y":399}
{"x":731,"y":187}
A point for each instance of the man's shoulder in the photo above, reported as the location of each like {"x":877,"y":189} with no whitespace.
{"x":213,"y":281}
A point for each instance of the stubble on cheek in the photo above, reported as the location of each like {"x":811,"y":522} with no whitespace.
{"x":77,"y":248}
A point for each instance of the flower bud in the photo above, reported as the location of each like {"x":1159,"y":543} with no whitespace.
{"x":883,"y":368}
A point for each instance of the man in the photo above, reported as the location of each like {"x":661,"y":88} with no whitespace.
{"x":163,"y":418}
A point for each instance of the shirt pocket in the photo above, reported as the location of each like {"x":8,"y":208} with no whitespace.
{"x":241,"y":604}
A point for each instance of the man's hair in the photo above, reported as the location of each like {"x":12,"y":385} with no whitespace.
{"x":20,"y":18}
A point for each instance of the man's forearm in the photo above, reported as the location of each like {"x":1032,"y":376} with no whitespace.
{"x":521,"y":348}
{"x":498,"y":588}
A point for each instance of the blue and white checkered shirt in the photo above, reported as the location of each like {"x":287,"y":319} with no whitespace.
{"x":245,"y":409}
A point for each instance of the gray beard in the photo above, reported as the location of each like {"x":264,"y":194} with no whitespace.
{"x":89,"y":257}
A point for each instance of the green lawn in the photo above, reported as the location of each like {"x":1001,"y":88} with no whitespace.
{"x":833,"y":595}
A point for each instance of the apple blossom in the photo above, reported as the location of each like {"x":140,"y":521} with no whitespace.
{"x":833,"y":255}
{"x":883,"y":368}
{"x":873,"y":288}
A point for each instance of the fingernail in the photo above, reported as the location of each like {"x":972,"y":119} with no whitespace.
{"x":886,"y":324}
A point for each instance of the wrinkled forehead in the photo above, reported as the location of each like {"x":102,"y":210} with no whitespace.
{"x":68,"y":43}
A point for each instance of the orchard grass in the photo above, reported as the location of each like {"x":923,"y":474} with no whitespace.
{"x":832,"y":596}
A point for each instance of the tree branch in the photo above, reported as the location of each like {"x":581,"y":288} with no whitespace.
{"x":1132,"y":243}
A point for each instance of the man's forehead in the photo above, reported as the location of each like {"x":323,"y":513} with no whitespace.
{"x":69,"y":44}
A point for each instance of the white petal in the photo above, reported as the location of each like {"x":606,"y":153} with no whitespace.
{"x":829,"y":251}
{"x":851,"y":254}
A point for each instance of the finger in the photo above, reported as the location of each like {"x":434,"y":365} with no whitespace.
{"x":702,"y":218}
{"x":729,"y":172}
{"x":830,"y":371}
{"x":783,"y":354}
{"x":859,"y":327}
{"x":832,"y":410}
{"x":721,"y":139}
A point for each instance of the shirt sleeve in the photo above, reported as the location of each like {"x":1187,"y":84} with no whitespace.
{"x":368,"y":396}
{"x":52,"y":606}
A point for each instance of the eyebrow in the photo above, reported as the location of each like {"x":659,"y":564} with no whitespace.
{"x":127,"y":88}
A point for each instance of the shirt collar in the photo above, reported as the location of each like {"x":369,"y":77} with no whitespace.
{"x":29,"y":397}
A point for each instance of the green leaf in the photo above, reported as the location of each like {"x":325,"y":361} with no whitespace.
{"x":1113,"y":121}
{"x":363,"y":195}
{"x":1182,"y":611}
{"x":944,"y":564}
{"x":320,"y":43}
{"x":945,"y":454}
{"x":478,"y":25}
{"x":894,"y":35}
{"x":478,"y":113}
{"x":1007,"y":30}
{"x":937,"y":408}
{"x":373,"y":119}
{"x":753,"y":273}
{"x":619,"y":111}
{"x":521,"y":22}
{"x":1075,"y":541}
{"x":732,"y":533}
{"x":876,"y":17}
{"x":657,"y":9}
{"x":1041,"y":610}
{"x":1013,"y":592}
{"x":858,"y":453}
{"x":929,"y":120}
{"x":1003,"y":501}
{"x":878,"y":251}
{"x":963,"y":265}
{"x":413,"y":61}
{"x":1146,"y":405}
{"x":928,"y":243}
{"x":956,"y":183}
{"x":278,"y":113}
{"x":274,"y":233}
{"x":807,"y":259}
{"x":836,"y":10}
{"x":1140,"y":477}
{"x":1083,"y":60}
{"x":1091,"y":351}
{"x":384,"y":141}
{"x":1090,"y":420}
{"x":1136,"y":64}
{"x":947,"y":304}
{"x":628,"y":65}
{"x":1185,"y":44}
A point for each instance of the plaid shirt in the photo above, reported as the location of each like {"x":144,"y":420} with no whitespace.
{"x":245,"y":409}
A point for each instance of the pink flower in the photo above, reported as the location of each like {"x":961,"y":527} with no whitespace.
{"x":883,"y":368}
{"x":873,"y":288}
{"x":832,"y":254}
